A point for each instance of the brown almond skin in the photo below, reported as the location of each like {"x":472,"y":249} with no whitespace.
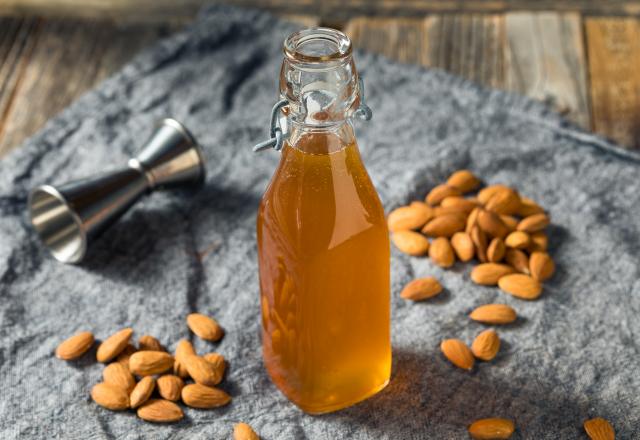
{"x":492,"y":224}
{"x":479,"y":239}
{"x":75,"y":346}
{"x":472,"y":220}
{"x":149,"y":343}
{"x":518,"y":260}
{"x":205,"y":327}
{"x":520,"y":285}
{"x":457,"y":353}
{"x":444,"y":226}
{"x":202,"y":371}
{"x":119,"y":375}
{"x":125,"y":354}
{"x":160,"y":411}
{"x":486,"y":193}
{"x":494,"y":314}
{"x":464,"y":180}
{"x":170,"y":387}
{"x":463,"y":246}
{"x":510,"y":222}
{"x":218,"y":361}
{"x":541,"y":266}
{"x":183,"y":349}
{"x":496,"y":250}
{"x":533,"y":223}
{"x":113,"y":345}
{"x":491,"y":429}
{"x":528,"y":207}
{"x":506,"y":202}
{"x":599,"y":429}
{"x":409,"y":217}
{"x":539,"y":242}
{"x":410,"y":242}
{"x":488,"y":274}
{"x":459,"y":203}
{"x":242,"y":431}
{"x":518,"y":240}
{"x":440,"y":192}
{"x":200,"y":396}
{"x":142,"y":391}
{"x":146,"y":363}
{"x":486,"y":345}
{"x":110,"y":396}
{"x":441,"y":252}
{"x":421,"y":289}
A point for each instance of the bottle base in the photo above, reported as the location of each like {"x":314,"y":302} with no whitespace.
{"x":317,"y":410}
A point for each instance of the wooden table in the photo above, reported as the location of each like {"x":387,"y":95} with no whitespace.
{"x":585,"y":66}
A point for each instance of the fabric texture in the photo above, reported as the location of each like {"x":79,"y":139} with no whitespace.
{"x":573,"y":354}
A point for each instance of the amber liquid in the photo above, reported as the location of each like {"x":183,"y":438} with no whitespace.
{"x":324,"y":276}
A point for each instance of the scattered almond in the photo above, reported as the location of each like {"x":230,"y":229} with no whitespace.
{"x":488,"y":274}
{"x":533,"y":223}
{"x":242,"y":431}
{"x":459,"y":203}
{"x":201,"y":371}
{"x":411,"y":243}
{"x":75,"y":346}
{"x":494,"y":314}
{"x":142,"y":391}
{"x":218,"y":362}
{"x":486,"y":193}
{"x":464,"y":180}
{"x":183,"y":349}
{"x":517,"y":259}
{"x":123,"y":357}
{"x":463,"y":246}
{"x":486,"y":345}
{"x":421,"y":288}
{"x":170,"y":387}
{"x":440,"y":192}
{"x":205,"y":327}
{"x":110,"y":396}
{"x":444,"y":225}
{"x":113,"y":345}
{"x":528,"y":207}
{"x":520,"y":285}
{"x":146,"y":363}
{"x":510,"y":222}
{"x":149,"y":343}
{"x":472,"y":220}
{"x":518,"y":240}
{"x":160,"y":411}
{"x":539,"y":242}
{"x":504,"y":202}
{"x":492,"y":224}
{"x":457,"y":353}
{"x":409,"y":217}
{"x":119,"y":375}
{"x":491,"y":429}
{"x":496,"y":250}
{"x":201,"y":396}
{"x":479,"y":239}
{"x":599,"y":429}
{"x":441,"y":252}
{"x":541,"y":266}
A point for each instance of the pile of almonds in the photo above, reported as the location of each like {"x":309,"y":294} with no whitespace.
{"x":157,"y":371}
{"x":505,"y":232}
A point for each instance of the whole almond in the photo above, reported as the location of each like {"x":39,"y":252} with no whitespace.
{"x":539,"y":242}
{"x":439,"y":211}
{"x":113,"y":345}
{"x":411,"y":243}
{"x":505,"y":202}
{"x":599,"y":429}
{"x":472,"y":220}
{"x":463,"y":246}
{"x":486,"y":345}
{"x":201,"y":396}
{"x":541,"y":266}
{"x":421,"y":288}
{"x":441,"y":252}
{"x":533,"y":223}
{"x":528,"y":207}
{"x":486,"y":193}
{"x":205,"y":327}
{"x":491,"y":429}
{"x":464,"y":180}
{"x":510,"y":222}
{"x":459,"y":203}
{"x":479,"y":239}
{"x":110,"y":396}
{"x":123,"y":357}
{"x":183,"y":349}
{"x":517,"y":259}
{"x":149,"y":343}
{"x":520,"y":285}
{"x":409,"y":217}
{"x":440,"y":192}
{"x":496,"y":250}
{"x":444,"y":225}
{"x":119,"y":375}
{"x":218,"y":362}
{"x":457,"y":353}
{"x":201,"y":371}
{"x":242,"y":431}
{"x":75,"y":346}
{"x":146,"y":363}
{"x":494,"y":314}
{"x":488,"y":274}
{"x":160,"y":411}
{"x":492,"y":224}
{"x":142,"y":391}
{"x":170,"y":387}
{"x":518,"y":240}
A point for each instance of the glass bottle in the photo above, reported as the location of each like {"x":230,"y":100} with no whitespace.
{"x":323,"y":243}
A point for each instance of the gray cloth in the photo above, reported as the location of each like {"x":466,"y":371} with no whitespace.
{"x":573,"y":354}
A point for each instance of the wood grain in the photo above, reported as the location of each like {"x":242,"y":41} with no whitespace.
{"x":545,"y":59}
{"x":614,"y":65}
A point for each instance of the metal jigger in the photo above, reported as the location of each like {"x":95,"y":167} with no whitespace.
{"x":69,"y":217}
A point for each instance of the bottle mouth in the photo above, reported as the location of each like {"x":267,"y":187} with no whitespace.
{"x":317,"y":45}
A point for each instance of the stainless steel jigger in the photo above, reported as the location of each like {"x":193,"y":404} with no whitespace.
{"x":69,"y":217}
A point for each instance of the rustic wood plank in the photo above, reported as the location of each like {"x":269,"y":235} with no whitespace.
{"x":545,"y":59}
{"x":613,"y":46}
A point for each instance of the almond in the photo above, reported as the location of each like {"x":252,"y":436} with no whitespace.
{"x":202,"y":371}
{"x":472,"y":220}
{"x":142,"y":391}
{"x":517,"y":259}
{"x":486,"y":345}
{"x":520,"y":285}
{"x":183,"y":349}
{"x":492,"y":224}
{"x":539,"y":242}
{"x":533,"y":223}
{"x":486,"y":193}
{"x":441,"y":252}
{"x":205,"y":327}
{"x":496,"y":250}
{"x":160,"y":411}
{"x":119,"y":375}
{"x":599,"y":429}
{"x":464,"y":180}
{"x":463,"y":246}
{"x":123,"y":357}
{"x":146,"y":363}
{"x":218,"y":362}
{"x":201,"y":396}
{"x":411,"y":243}
{"x":528,"y":207}
{"x":479,"y":239}
{"x":491,"y":429}
{"x":510,"y":222}
{"x":149,"y":343}
{"x":113,"y":345}
{"x":459,"y":203}
{"x":541,"y":266}
{"x":242,"y":431}
{"x":457,"y":353}
{"x":170,"y":387}
{"x":421,"y":288}
{"x":505,"y":202}
{"x":494,"y":314}
{"x":409,"y":217}
{"x":75,"y":346}
{"x":488,"y":274}
{"x":518,"y":240}
{"x":444,"y":225}
{"x":110,"y":396}
{"x":439,"y":211}
{"x":440,"y":192}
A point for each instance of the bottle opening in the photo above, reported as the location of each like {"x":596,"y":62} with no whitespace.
{"x":317,"y":44}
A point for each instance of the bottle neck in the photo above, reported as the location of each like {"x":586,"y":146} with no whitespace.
{"x":324,"y":139}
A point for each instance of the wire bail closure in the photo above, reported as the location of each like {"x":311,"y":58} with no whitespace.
{"x":276,"y":136}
